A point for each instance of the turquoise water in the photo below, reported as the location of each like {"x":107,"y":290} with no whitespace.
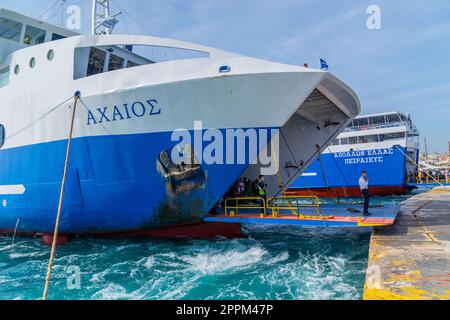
{"x":272,"y":263}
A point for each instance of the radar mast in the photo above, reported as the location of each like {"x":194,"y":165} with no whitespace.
{"x":103,"y":22}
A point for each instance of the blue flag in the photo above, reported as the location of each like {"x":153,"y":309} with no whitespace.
{"x":323,"y":65}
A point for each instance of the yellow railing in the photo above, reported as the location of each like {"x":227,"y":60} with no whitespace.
{"x":293,"y":204}
{"x":275,"y":205}
{"x":249,"y":205}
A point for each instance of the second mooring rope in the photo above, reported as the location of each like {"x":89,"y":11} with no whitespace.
{"x":61,"y":197}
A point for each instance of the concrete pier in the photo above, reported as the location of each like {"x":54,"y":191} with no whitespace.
{"x":411,"y":259}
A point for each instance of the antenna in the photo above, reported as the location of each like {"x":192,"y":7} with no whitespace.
{"x":103,"y":22}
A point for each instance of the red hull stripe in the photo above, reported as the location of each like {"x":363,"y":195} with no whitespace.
{"x":348,"y":191}
{"x":201,"y":230}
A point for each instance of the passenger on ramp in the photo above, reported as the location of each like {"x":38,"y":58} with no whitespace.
{"x":262,"y":190}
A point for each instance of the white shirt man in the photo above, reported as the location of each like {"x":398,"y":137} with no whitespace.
{"x":364,"y":183}
{"x":364,"y":186}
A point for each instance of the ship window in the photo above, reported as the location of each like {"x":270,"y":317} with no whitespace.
{"x":56,"y":36}
{"x":2,"y":135}
{"x":376,"y":121}
{"x":392,"y":136}
{"x":368,"y":139}
{"x":392,"y":118}
{"x":362,"y":122}
{"x":344,"y":141}
{"x":4,"y":77}
{"x":335,"y":142}
{"x":353,"y":140}
{"x":34,"y":36}
{"x":10,"y":29}
{"x":115,"y":62}
{"x":96,"y":61}
{"x":90,"y":61}
{"x":131,"y":64}
{"x":32,"y":63}
{"x":17,"y":69}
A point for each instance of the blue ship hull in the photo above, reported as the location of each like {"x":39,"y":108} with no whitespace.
{"x":114,"y":185}
{"x":337,"y":174}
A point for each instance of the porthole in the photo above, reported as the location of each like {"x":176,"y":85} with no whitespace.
{"x":32,"y":63}
{"x":17,"y":69}
{"x":50,"y":55}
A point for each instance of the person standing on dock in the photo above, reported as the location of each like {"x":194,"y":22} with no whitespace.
{"x":262,"y":190}
{"x":364,"y":185}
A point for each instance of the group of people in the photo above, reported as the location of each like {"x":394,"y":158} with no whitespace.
{"x":431,"y":176}
{"x":245,"y":187}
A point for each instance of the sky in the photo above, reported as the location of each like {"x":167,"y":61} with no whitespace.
{"x":404,"y":66}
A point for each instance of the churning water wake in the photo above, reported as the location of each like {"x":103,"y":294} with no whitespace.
{"x":272,"y":263}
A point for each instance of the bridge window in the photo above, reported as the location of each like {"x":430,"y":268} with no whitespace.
{"x":115,"y":62}
{"x":393,"y":118}
{"x":361,"y":122}
{"x":335,"y":142}
{"x":376,"y":121}
{"x":90,"y":61}
{"x":392,"y":136}
{"x":2,"y":135}
{"x":10,"y":29}
{"x":353,"y":140}
{"x":34,"y":36}
{"x":4,"y":77}
{"x":368,"y":139}
{"x":96,"y":62}
{"x":344,"y":141}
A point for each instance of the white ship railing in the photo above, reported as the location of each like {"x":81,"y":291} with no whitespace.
{"x":410,"y":126}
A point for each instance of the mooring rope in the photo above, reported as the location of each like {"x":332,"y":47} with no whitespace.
{"x":37,"y":120}
{"x":15,"y":230}
{"x":418,"y":166}
{"x":61,"y":197}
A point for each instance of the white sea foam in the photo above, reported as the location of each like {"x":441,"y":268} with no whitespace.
{"x":213,"y":263}
{"x":147,"y":262}
{"x":17,"y":255}
{"x":113,"y":291}
{"x":279,"y":258}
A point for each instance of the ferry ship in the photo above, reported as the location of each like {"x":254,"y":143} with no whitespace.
{"x":120,"y":179}
{"x":386,"y":145}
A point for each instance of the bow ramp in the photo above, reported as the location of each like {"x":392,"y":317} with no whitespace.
{"x":301,"y":211}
